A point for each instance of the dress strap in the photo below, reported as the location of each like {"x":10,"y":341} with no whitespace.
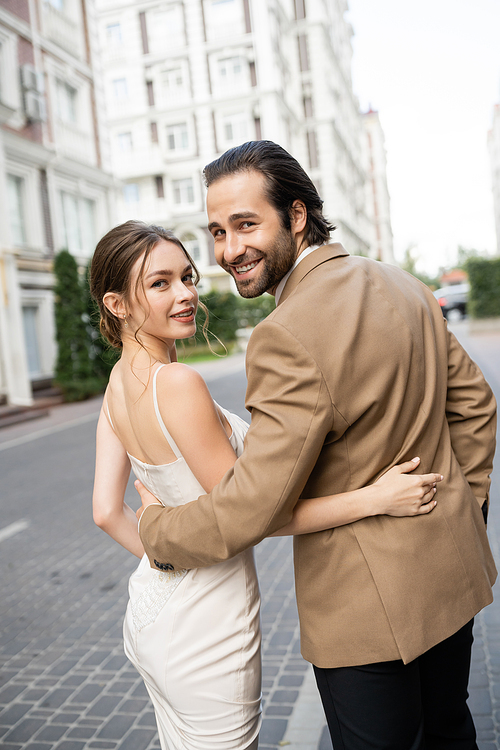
{"x":166,"y":433}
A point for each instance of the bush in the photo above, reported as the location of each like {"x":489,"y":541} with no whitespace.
{"x":222,"y":314}
{"x":252,"y":311}
{"x":73,"y":369}
{"x":227,"y":313}
{"x":84,"y":357}
{"x":484,"y":278}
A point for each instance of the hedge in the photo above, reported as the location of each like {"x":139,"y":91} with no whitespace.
{"x":484,"y":279}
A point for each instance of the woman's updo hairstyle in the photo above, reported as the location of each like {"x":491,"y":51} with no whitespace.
{"x":112,"y":264}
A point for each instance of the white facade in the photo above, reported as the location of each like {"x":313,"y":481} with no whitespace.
{"x":185,"y":80}
{"x":377,"y":192}
{"x":56,"y":190}
{"x":494,"y":149}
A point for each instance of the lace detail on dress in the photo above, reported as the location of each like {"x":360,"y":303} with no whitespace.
{"x":149,"y":604}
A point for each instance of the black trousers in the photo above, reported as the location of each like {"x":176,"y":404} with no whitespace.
{"x":393,"y":706}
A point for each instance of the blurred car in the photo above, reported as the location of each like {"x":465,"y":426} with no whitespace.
{"x":453,"y":300}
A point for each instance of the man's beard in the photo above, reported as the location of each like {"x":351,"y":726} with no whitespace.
{"x":275,"y":263}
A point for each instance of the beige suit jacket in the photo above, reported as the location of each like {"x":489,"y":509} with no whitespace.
{"x":353,"y":372}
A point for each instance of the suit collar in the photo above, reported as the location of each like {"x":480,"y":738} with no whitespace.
{"x":316,"y":258}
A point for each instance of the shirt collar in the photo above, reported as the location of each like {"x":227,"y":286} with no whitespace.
{"x":281,"y":285}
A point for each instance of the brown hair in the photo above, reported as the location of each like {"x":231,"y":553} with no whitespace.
{"x":286,"y":182}
{"x":112,"y":264}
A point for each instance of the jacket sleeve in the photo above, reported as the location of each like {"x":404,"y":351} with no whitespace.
{"x":471,"y":416}
{"x":291,"y":415}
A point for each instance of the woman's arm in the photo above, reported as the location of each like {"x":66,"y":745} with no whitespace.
{"x":192,"y":419}
{"x":394,"y":494}
{"x":193,"y":422}
{"x":112,"y":470}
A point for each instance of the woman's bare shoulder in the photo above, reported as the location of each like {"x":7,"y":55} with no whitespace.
{"x":181,"y":386}
{"x":180,"y":376}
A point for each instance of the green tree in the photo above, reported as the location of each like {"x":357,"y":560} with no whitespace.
{"x":222,"y":315}
{"x":227,"y":312}
{"x":484,"y":279}
{"x":73,"y":367}
{"x":252,"y":311}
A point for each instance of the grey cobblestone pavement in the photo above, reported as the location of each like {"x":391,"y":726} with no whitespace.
{"x":64,"y":681}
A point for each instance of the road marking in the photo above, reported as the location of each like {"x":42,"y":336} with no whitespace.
{"x":48,"y":431}
{"x":12,"y":529}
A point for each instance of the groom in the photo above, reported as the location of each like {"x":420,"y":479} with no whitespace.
{"x":353,"y":372}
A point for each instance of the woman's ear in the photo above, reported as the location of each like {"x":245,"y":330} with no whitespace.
{"x":115,"y":304}
{"x":298,"y":216}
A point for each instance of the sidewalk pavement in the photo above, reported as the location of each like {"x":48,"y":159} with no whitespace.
{"x":66,"y":683}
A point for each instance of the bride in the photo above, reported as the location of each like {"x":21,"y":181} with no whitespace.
{"x":193,"y":635}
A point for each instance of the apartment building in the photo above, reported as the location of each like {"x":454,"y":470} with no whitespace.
{"x":494,"y":149}
{"x":56,"y":189}
{"x":185,"y":80}
{"x":377,"y":193}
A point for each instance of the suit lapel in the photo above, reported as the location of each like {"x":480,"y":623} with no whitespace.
{"x":316,"y":258}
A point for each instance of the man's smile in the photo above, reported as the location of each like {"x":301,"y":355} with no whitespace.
{"x":246,"y":267}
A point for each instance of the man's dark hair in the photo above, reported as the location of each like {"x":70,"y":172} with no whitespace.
{"x":286,"y":182}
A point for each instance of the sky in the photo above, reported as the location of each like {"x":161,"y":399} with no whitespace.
{"x":431,"y":68}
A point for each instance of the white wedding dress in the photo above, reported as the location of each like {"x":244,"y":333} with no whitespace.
{"x":194,"y":635}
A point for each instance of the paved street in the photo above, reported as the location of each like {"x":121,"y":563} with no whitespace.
{"x":65,"y":683}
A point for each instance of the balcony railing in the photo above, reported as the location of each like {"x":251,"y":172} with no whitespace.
{"x":71,"y":141}
{"x":62,"y":30}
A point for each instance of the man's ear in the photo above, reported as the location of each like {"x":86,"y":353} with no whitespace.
{"x":298,"y":216}
{"x":115,"y":304}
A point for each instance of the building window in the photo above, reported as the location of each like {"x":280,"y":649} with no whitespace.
{"x":192,"y":245}
{"x":224,"y":13}
{"x":120,"y":89}
{"x":253,"y":74}
{"x":235,"y":128}
{"x":248,"y":20}
{"x":78,"y":216}
{"x":300,"y":9}
{"x":230,"y":70}
{"x":151,"y":93}
{"x":71,"y":222}
{"x":57,"y":4}
{"x":312,"y":149}
{"x":258,"y":128}
{"x":173,"y":78}
{"x":87,"y":214}
{"x":303,"y":52}
{"x":15,"y":188}
{"x":175,"y":83}
{"x":160,"y":192}
{"x":144,"y":33}
{"x":165,"y":27}
{"x":2,"y":71}
{"x":177,"y":137}
{"x":114,"y":34}
{"x":124,"y":141}
{"x":183,"y":191}
{"x":31,"y":339}
{"x":154,"y":132}
{"x":66,"y":101}
{"x":308,"y":106}
{"x":131,"y":192}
